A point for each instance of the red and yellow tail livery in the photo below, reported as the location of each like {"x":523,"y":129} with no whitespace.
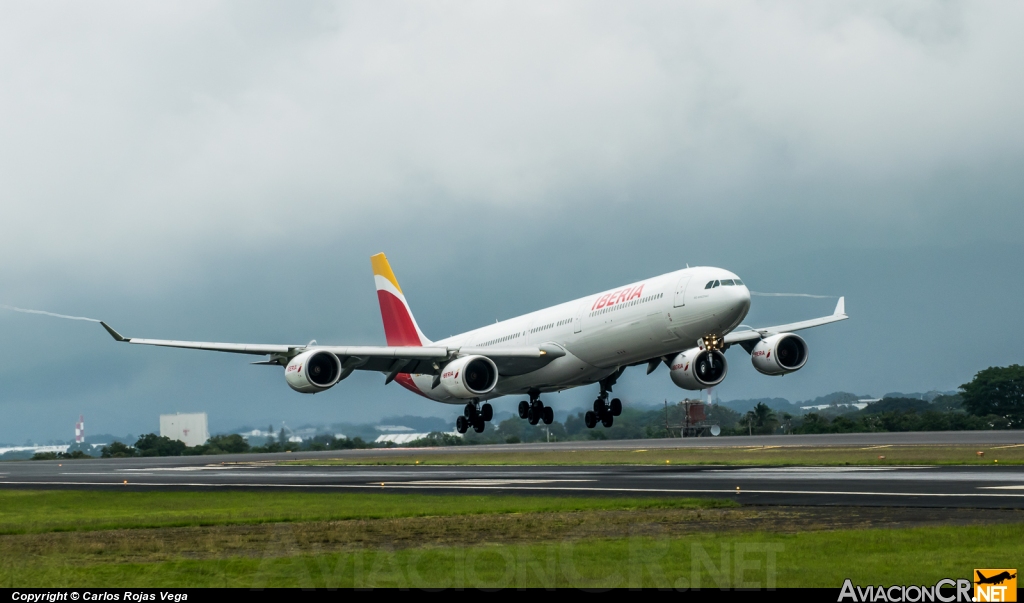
{"x":400,"y":328}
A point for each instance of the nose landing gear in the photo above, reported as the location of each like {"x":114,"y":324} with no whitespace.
{"x":474,"y":416}
{"x":534,"y":411}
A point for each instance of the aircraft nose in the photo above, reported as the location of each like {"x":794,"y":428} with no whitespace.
{"x":744,"y":294}
{"x":741,"y":299}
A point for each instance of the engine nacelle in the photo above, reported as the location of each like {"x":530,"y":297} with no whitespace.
{"x":313,"y":371}
{"x":779,"y":354}
{"x":695,"y":369}
{"x":469,"y":377}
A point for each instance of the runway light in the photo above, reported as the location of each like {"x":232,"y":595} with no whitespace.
{"x":737,"y":489}
{"x":667,"y":461}
{"x":881,"y":456}
{"x":980,"y":453}
{"x":997,"y":460}
{"x":126,"y":481}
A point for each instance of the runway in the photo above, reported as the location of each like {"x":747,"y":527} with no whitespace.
{"x":935,"y":486}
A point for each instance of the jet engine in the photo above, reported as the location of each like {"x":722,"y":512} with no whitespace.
{"x":313,"y":371}
{"x":779,"y":354}
{"x":469,"y":377}
{"x":698,"y":369}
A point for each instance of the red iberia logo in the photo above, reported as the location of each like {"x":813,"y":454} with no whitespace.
{"x":995,"y":585}
{"x":618,"y":297}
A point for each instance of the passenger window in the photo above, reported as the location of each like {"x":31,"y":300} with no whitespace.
{"x":709,"y":285}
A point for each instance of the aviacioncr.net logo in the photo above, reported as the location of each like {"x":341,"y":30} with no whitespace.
{"x":944,"y":591}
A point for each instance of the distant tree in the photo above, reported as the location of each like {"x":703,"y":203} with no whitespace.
{"x":730,"y":421}
{"x":897,"y":405}
{"x":437,"y":438}
{"x":812,"y":423}
{"x":54,"y":456}
{"x":117,"y":450}
{"x":575,"y":425}
{"x":948,"y":403}
{"x":282,"y":438}
{"x":997,"y":391}
{"x":787,"y":422}
{"x":761,"y":419}
{"x":74,"y":454}
{"x":227,"y":444}
{"x":513,"y":427}
{"x":151,"y":444}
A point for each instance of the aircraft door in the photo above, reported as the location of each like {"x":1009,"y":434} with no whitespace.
{"x":680,"y":299}
{"x":577,"y":323}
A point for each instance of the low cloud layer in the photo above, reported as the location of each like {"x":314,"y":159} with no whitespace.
{"x":223,"y":170}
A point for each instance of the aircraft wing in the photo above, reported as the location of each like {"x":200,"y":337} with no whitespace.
{"x":757,"y":334}
{"x":386,"y":359}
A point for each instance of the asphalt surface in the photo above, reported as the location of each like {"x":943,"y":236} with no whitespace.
{"x":938,"y":486}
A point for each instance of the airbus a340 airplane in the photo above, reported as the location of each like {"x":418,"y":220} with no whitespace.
{"x":685,"y":319}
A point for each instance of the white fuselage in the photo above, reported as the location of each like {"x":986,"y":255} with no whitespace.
{"x":653,"y":318}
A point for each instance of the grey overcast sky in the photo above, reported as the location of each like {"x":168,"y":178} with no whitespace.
{"x":223,"y":171}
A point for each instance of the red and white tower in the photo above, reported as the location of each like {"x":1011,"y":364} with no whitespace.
{"x":80,"y":430}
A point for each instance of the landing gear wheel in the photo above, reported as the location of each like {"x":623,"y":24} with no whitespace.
{"x":524,"y":409}
{"x":607,"y":420}
{"x":470,"y":411}
{"x":549,"y":415}
{"x":461,"y":425}
{"x":616,"y":407}
{"x":486,"y":412}
{"x":478,"y":426}
{"x":534,"y":416}
{"x":599,"y":406}
{"x":590,"y":419}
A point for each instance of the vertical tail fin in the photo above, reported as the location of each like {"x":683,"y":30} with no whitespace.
{"x":400,"y":327}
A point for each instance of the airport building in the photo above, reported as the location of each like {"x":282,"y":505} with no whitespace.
{"x":189,"y":428}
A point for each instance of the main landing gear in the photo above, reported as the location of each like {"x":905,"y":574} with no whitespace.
{"x":474,"y":416}
{"x":604,"y":411}
{"x":534,"y":411}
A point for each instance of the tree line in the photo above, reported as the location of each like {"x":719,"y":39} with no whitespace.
{"x":994,"y":399}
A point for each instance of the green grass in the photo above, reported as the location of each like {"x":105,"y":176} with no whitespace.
{"x":733,"y":455}
{"x":27,"y":511}
{"x":377,"y":539}
{"x":816,"y":559}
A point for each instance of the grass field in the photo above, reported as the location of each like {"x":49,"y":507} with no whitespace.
{"x":739,"y":455}
{"x":154,"y":539}
{"x":27,"y":511}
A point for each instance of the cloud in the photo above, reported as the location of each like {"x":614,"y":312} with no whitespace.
{"x":222,"y":170}
{"x":151,"y":128}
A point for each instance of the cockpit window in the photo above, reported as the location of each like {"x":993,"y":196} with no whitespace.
{"x":727,"y":282}
{"x":738,"y":282}
{"x":709,"y":285}
{"x":715,"y":285}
